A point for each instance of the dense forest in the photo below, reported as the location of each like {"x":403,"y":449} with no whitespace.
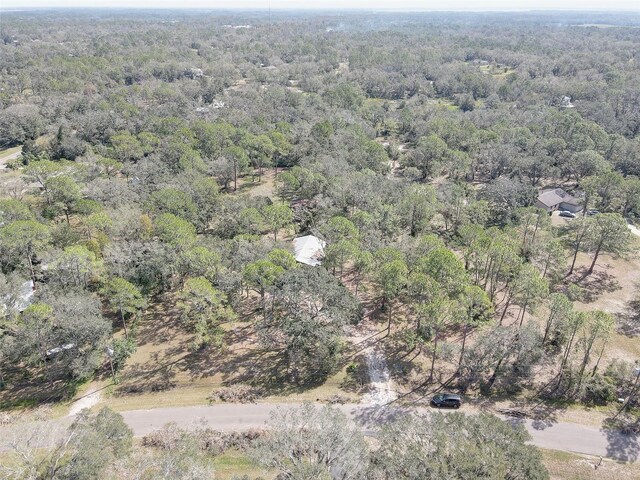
{"x":156,"y":167}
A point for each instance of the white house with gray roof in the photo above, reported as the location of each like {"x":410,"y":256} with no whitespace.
{"x":309,"y":250}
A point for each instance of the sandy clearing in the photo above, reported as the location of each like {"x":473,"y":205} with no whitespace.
{"x":11,"y":156}
{"x":381,"y":388}
{"x":86,"y":401}
{"x":635,"y":230}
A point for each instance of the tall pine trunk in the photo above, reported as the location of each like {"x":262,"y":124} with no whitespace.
{"x":494,"y":375}
{"x":504,"y":312}
{"x":464,"y":341}
{"x":595,"y":259}
{"x":565,"y":357}
{"x":124,"y":323}
{"x":235,"y":176}
{"x":575,"y":256}
{"x":524,"y":311}
{"x":595,"y":368}
{"x":434,"y":354}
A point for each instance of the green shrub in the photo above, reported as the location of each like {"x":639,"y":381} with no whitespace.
{"x":598,"y":390}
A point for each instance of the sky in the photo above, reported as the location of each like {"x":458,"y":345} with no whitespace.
{"x":393,"y":5}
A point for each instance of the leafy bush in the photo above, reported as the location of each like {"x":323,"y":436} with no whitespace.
{"x":575,"y":293}
{"x":598,"y":390}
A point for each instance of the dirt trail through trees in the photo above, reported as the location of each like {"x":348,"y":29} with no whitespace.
{"x":87,"y":401}
{"x":381,"y":388}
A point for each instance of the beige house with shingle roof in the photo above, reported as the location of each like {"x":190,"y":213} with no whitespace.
{"x":558,"y":199}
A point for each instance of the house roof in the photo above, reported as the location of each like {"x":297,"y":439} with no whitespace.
{"x":21,"y":300}
{"x":26,"y":295}
{"x":309,"y":250}
{"x":554,"y":197}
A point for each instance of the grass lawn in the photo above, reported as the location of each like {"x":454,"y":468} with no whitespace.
{"x":263,"y":188}
{"x":499,"y":71}
{"x":570,"y":466}
{"x":188,"y":393}
{"x":233,"y":463}
{"x":10,"y":151}
{"x":444,"y":104}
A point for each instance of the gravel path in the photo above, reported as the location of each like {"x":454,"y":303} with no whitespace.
{"x":382,"y":391}
{"x":11,"y":156}
{"x":86,"y":401}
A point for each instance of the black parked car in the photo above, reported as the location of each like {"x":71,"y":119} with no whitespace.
{"x":446,"y":400}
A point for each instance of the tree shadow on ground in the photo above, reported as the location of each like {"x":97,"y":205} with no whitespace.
{"x":404,"y":363}
{"x":424,"y":391}
{"x":158,"y":325}
{"x":371,"y":417}
{"x":28,"y":387}
{"x":628,"y":322}
{"x":357,"y":379}
{"x":139,"y":378}
{"x":623,"y":437}
{"x":373,"y":339}
{"x":247,"y":363}
{"x":595,"y":284}
{"x":543,"y":415}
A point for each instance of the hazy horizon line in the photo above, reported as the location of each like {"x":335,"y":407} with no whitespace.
{"x":318,"y":9}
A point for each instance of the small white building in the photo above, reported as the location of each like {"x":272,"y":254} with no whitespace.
{"x":309,"y":250}
{"x":21,"y":300}
{"x":26,"y":295}
{"x":196,"y":72}
{"x":566,"y":102}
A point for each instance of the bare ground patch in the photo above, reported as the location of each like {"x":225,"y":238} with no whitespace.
{"x":570,"y":466}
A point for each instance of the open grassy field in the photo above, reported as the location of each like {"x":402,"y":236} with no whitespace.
{"x":569,"y":466}
{"x":496,"y":71}
{"x":443,"y":103}
{"x":614,"y":287}
{"x":10,"y":152}
{"x":263,"y":188}
{"x":234,"y":464}
{"x":166,"y":371}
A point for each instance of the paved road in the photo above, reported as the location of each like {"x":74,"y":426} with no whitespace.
{"x":228,"y":417}
{"x":11,"y":156}
{"x":556,"y":436}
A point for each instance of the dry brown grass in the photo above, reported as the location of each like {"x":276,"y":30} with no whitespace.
{"x":9,"y":152}
{"x":613,"y":287}
{"x":232,"y":464}
{"x":166,"y":371}
{"x":570,"y":466}
{"x":263,"y":188}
